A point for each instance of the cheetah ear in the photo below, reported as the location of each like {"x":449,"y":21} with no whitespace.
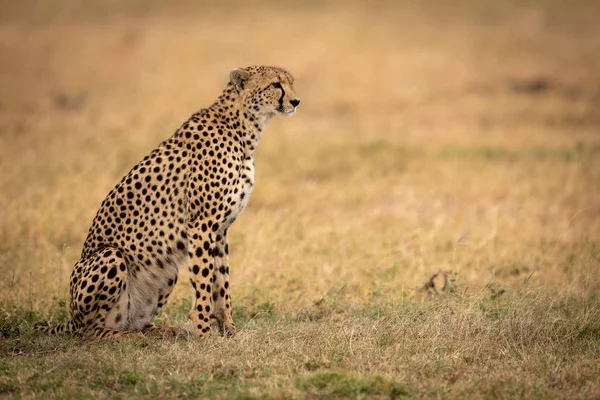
{"x":239,"y":77}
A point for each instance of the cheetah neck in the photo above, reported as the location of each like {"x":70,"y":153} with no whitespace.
{"x":248,"y":123}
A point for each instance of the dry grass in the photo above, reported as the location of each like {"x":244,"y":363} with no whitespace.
{"x":463,"y":138}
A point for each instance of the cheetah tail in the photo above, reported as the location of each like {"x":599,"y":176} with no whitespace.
{"x":54,"y":329}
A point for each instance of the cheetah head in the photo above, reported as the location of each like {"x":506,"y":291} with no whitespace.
{"x":265,"y":91}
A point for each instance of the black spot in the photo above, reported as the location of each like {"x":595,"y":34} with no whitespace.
{"x":180,"y":245}
{"x":196,"y":269}
{"x":198,"y":252}
{"x":112,"y":273}
{"x":205,"y":272}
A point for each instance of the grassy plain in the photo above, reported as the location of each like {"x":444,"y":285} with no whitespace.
{"x":462,"y":137}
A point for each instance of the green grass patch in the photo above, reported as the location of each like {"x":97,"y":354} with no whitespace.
{"x":345,"y":384}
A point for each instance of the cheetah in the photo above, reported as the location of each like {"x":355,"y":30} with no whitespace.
{"x":174,"y":209}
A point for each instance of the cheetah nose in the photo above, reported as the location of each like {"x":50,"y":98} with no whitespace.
{"x":295,"y":102}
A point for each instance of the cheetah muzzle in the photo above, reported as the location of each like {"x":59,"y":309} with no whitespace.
{"x":172,"y":209}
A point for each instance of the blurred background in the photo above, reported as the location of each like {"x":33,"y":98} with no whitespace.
{"x":457,"y":135}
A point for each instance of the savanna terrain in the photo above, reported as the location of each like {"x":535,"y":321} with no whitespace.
{"x":461,"y":137}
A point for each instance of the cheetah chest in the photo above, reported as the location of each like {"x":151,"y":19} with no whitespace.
{"x":242,"y":189}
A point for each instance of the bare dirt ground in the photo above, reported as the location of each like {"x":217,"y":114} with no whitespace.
{"x":461,"y":137}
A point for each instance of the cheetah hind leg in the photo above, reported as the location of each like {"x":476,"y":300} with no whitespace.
{"x":100,"y":332}
{"x":93,"y":332}
{"x":66,"y":328}
{"x":96,"y":288}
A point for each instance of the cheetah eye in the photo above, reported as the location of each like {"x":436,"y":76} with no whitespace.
{"x":277,"y":85}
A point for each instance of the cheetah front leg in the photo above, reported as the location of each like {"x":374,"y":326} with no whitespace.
{"x":201,"y":277}
{"x":221,"y":297}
